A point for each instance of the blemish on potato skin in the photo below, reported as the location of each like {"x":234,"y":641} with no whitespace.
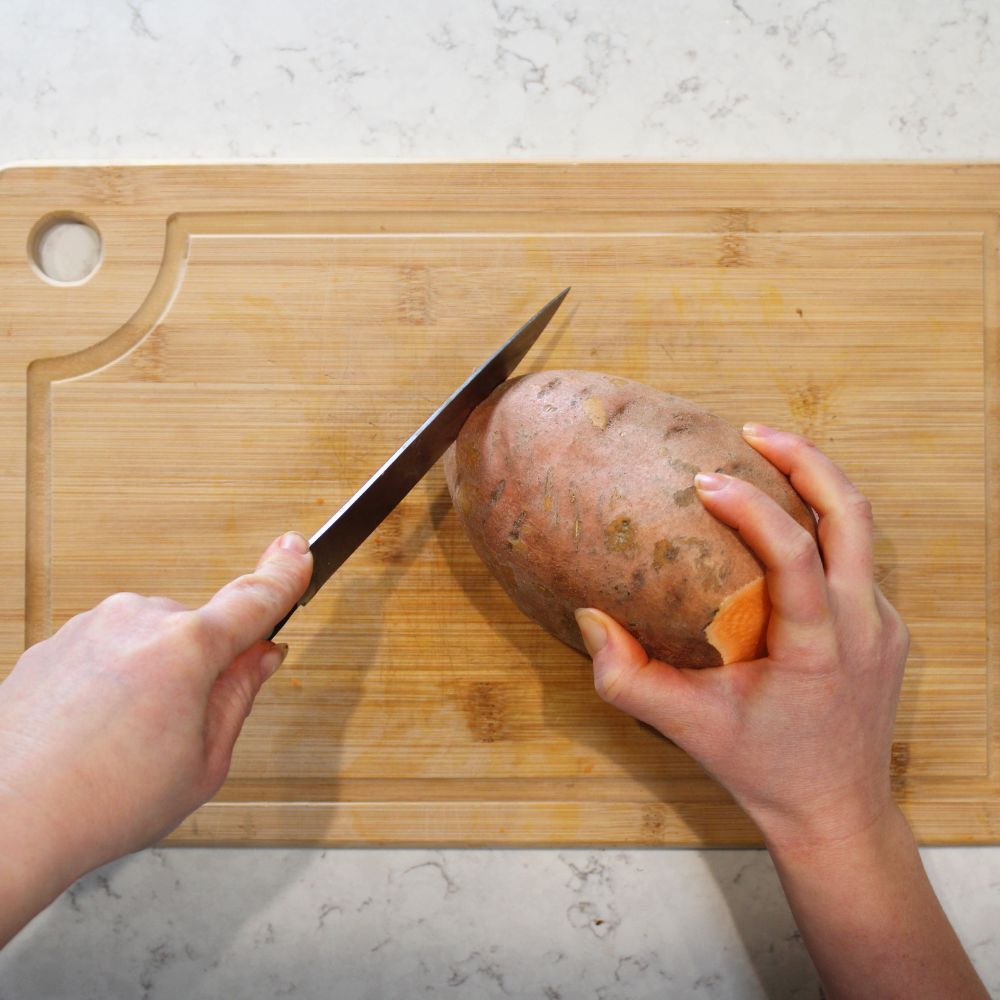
{"x":593,"y":406}
{"x":684,"y":498}
{"x":574,"y":504}
{"x":739,"y":469}
{"x":711,"y":575}
{"x":497,"y":492}
{"x":548,"y":387}
{"x":616,"y":414}
{"x":679,"y":465}
{"x":673,"y":600}
{"x":621,"y":536}
{"x":514,"y":539}
{"x":664,"y":551}
{"x":679,"y":426}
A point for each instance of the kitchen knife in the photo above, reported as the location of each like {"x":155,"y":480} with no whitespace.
{"x":369,"y":507}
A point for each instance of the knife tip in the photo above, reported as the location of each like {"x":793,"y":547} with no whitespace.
{"x":558,"y":300}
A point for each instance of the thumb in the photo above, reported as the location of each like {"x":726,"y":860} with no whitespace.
{"x":230,"y":701}
{"x":247,"y":608}
{"x":624,"y":676}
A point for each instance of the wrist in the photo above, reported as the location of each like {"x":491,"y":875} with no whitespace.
{"x":34,"y":865}
{"x":37,"y":857}
{"x":825,"y":819}
{"x":32,"y":835}
{"x":853,"y":835}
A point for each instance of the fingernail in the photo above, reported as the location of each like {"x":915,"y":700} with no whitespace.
{"x":595,"y":635}
{"x":273,"y":658}
{"x":292,"y":541}
{"x":711,"y":482}
{"x":757,"y":430}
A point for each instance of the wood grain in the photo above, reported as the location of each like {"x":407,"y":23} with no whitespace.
{"x":259,"y":338}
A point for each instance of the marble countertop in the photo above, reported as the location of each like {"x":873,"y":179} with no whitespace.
{"x":142,"y":80}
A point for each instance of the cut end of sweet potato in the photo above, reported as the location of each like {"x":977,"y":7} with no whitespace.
{"x":739,"y":629}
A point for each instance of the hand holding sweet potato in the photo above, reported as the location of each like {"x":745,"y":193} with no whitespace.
{"x":801,"y":736}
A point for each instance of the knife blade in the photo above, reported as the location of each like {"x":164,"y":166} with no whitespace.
{"x":368,"y":508}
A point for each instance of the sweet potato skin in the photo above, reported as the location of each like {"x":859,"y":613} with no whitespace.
{"x":577,"y":490}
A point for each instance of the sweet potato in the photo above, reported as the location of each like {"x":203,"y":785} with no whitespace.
{"x":577,"y":490}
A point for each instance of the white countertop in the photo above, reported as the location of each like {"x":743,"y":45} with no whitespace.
{"x":141,"y":80}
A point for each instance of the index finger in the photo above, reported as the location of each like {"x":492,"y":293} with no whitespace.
{"x":794,"y":570}
{"x":247,"y":608}
{"x":845,"y":515}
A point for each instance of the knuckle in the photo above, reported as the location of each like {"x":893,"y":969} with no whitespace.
{"x":165,"y":604}
{"x":800,"y":551}
{"x":258,"y":588}
{"x":800,"y":445}
{"x":124,"y":609}
{"x":888,"y":633}
{"x":759,"y":505}
{"x":609,"y":684}
{"x":123,"y":601}
{"x":238,"y":697}
{"x":860,"y":506}
{"x":196,"y":633}
{"x":78,"y":622}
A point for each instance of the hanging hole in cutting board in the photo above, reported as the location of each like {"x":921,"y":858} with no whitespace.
{"x":65,"y":248}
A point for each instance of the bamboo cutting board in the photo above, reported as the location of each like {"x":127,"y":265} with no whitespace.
{"x":258,"y":339}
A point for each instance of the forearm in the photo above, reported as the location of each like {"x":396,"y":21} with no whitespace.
{"x":871,"y":920}
{"x":33,"y":870}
